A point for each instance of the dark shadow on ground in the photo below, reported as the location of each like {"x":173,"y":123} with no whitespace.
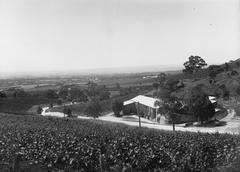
{"x":133,"y":119}
{"x":214,"y":124}
{"x":210,"y":124}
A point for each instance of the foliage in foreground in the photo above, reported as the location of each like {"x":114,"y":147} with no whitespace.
{"x":91,"y":145}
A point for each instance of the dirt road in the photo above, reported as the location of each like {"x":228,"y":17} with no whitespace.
{"x":232,"y":123}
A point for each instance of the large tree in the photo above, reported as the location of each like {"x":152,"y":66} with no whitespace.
{"x":93,"y":109}
{"x":117,"y":107}
{"x":95,"y":91}
{"x":199,"y":104}
{"x":51,"y":94}
{"x":193,"y":64}
{"x":165,"y":92}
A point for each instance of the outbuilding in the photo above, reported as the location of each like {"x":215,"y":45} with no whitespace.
{"x":147,"y":107}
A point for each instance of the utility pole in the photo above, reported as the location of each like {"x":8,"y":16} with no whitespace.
{"x":139,"y":118}
{"x":173,"y":121}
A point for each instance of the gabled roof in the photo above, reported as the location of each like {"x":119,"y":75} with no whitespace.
{"x":147,"y":101}
{"x":212,"y":99}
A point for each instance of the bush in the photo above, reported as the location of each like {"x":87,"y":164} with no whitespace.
{"x":155,"y":85}
{"x":117,"y":107}
{"x":3,"y":94}
{"x":199,"y":104}
{"x":51,"y":94}
{"x":50,"y":105}
{"x":93,"y":109}
{"x":39,"y":110}
{"x":59,"y":102}
{"x":67,"y":111}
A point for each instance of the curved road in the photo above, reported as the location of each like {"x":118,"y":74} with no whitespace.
{"x":232,"y":124}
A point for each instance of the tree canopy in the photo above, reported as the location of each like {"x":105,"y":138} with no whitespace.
{"x":117,"y":107}
{"x":95,"y":91}
{"x":162,"y":78}
{"x":194,"y":63}
{"x":93,"y":109}
{"x":199,"y":104}
{"x":213,"y":70}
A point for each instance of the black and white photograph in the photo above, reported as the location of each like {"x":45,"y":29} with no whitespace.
{"x":119,"y":85}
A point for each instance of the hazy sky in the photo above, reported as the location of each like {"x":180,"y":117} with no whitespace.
{"x":38,"y":35}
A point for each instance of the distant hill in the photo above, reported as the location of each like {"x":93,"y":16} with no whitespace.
{"x":229,"y":78}
{"x":93,"y":71}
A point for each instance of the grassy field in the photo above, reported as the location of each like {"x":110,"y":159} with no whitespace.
{"x":21,"y":105}
{"x":56,"y":144}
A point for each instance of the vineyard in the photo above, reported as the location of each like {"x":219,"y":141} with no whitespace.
{"x":90,"y":145}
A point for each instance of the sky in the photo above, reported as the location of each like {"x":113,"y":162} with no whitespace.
{"x":73,"y":35}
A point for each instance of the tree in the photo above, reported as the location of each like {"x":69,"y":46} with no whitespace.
{"x":50,"y":105}
{"x":234,"y":72}
{"x":161,"y":79}
{"x":165,"y":92}
{"x":39,"y":110}
{"x":200,"y":105}
{"x":155,"y":85}
{"x":91,"y":90}
{"x":227,"y":67}
{"x":93,"y":109}
{"x":213,"y":70}
{"x":63,"y":93}
{"x":3,"y":94}
{"x":21,"y":93}
{"x":77,"y":94}
{"x":170,"y":108}
{"x":172,"y":84}
{"x":67,"y":111}
{"x":117,"y":107}
{"x":118,"y":85}
{"x":59,"y":102}
{"x":224,"y":92}
{"x":238,"y":64}
{"x":104,"y":94}
{"x":95,"y":91}
{"x":51,"y":94}
{"x":193,"y":64}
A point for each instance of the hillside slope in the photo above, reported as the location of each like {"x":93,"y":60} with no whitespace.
{"x":228,"y":78}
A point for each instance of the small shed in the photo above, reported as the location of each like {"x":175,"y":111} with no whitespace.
{"x":147,"y":106}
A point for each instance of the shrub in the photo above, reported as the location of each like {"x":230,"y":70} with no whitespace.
{"x":93,"y":109}
{"x":3,"y":94}
{"x":59,"y":102}
{"x":39,"y":110}
{"x":67,"y":111}
{"x":117,"y":107}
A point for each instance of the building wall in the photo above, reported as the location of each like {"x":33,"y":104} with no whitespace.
{"x":129,"y":109}
{"x":147,"y":112}
{"x":144,"y":111}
